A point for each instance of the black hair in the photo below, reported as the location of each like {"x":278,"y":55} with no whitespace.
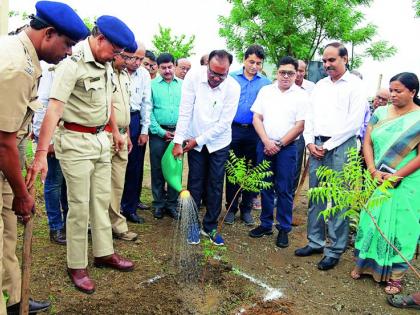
{"x":202,"y":59}
{"x":287,"y":60}
{"x":165,"y":58}
{"x":410,"y":81}
{"x":149,"y":54}
{"x":38,"y":23}
{"x":221,"y":54}
{"x":257,"y":50}
{"x":342,"y":50}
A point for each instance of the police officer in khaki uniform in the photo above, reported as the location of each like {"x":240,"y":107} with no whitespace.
{"x":118,"y":131}
{"x":81,"y":97}
{"x":52,"y":32}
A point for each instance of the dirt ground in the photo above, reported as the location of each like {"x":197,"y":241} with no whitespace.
{"x":306,"y":290}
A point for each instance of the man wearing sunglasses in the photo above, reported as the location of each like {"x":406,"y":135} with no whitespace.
{"x":209,"y":101}
{"x":279,"y":114}
{"x":80,"y":99}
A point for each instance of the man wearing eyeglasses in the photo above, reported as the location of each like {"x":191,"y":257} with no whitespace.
{"x":279,"y":115}
{"x":244,"y":137}
{"x":182,"y":66}
{"x":118,"y":134}
{"x":80,"y":98}
{"x":381,"y":98}
{"x":208,"y":104}
{"x":335,"y":114}
{"x":140,"y":108}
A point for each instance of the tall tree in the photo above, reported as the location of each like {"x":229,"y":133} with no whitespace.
{"x":300,"y":28}
{"x":175,"y":45}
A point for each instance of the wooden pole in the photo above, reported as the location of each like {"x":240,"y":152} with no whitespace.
{"x":27,"y":259}
{"x":302,"y":181}
{"x":4,"y":17}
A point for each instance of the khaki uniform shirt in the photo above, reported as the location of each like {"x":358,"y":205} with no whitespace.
{"x":85,"y":87}
{"x":20,"y":71}
{"x":121,"y":98}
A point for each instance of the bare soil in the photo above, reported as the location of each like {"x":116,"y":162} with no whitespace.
{"x":306,"y":290}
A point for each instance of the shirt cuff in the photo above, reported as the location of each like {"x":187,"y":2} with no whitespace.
{"x":178,"y":139}
{"x":200,"y":140}
{"x":328,"y":145}
{"x":144,"y":130}
{"x":309,"y":140}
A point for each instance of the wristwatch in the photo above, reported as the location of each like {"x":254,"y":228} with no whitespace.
{"x":279,"y":143}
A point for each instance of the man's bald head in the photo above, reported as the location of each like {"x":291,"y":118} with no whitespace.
{"x":381,"y":98}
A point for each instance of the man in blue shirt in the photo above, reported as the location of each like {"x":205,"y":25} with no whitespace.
{"x":244,"y":137}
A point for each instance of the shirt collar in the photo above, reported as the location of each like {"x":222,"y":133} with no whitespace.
{"x":344,"y":77}
{"x":88,"y":55}
{"x":291,"y":89}
{"x":159,"y":79}
{"x":241,"y":72}
{"x":23,"y":37}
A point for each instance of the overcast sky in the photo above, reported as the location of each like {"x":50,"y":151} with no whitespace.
{"x":395,"y":21}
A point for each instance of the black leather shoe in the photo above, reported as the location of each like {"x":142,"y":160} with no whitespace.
{"x":282,"y":239}
{"x":58,"y":237}
{"x":327,"y":263}
{"x":142,"y":206}
{"x":158,"y":213}
{"x":308,"y":251}
{"x":133,"y":217}
{"x":34,"y":307}
{"x":260,"y":231}
{"x":173,"y":214}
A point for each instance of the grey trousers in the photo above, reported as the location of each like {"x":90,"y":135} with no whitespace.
{"x":338,"y":228}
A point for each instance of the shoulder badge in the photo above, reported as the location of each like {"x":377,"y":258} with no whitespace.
{"x":76,"y":57}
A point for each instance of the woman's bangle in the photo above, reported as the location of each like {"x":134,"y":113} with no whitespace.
{"x":372,"y":171}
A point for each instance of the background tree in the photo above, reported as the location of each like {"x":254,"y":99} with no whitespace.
{"x":417,"y":7}
{"x":178,"y":46}
{"x":300,"y":28}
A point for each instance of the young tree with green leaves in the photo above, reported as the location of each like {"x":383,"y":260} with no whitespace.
{"x":178,"y":46}
{"x":300,"y":28}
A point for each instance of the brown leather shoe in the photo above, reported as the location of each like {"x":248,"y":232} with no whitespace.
{"x":114,"y":261}
{"x":81,"y":280}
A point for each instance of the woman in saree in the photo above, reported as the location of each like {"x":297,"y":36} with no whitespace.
{"x":392,"y":148}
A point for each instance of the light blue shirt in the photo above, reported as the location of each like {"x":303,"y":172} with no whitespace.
{"x":140,"y":97}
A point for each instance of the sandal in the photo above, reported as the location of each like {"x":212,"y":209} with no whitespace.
{"x":354,"y":274}
{"x":393,"y":287}
{"x":403,"y":301}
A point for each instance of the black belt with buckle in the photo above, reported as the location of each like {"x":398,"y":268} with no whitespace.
{"x":168,"y":127}
{"x":241,"y":125}
{"x":322,"y":138}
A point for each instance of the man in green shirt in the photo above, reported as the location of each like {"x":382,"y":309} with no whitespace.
{"x":166,"y":96}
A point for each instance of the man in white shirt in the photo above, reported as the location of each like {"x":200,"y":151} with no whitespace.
{"x":208,"y":104}
{"x":140,"y":107}
{"x":334,"y":117}
{"x":279,"y":113}
{"x":307,"y":86}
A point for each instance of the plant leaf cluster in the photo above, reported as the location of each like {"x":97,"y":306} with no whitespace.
{"x":248,"y":177}
{"x":178,"y":46}
{"x":350,"y":190}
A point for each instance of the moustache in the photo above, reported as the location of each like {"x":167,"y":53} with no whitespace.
{"x":330,"y":68}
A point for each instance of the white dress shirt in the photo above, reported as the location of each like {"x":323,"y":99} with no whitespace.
{"x":44,"y":89}
{"x":140,"y":98}
{"x":308,"y":86}
{"x":280,"y":110}
{"x":336,"y":110}
{"x":206,"y":114}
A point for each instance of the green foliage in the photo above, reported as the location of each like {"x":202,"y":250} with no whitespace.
{"x":89,"y":22}
{"x":297,"y":28}
{"x":249,"y":178}
{"x":417,"y":7}
{"x":212,"y":251}
{"x":350,"y":189}
{"x":175,"y":45}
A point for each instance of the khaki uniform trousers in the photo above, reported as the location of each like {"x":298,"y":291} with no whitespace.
{"x":119,"y":162}
{"x":86,"y":166}
{"x":10,"y":276}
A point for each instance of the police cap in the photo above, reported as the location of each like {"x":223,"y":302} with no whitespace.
{"x":63,"y":18}
{"x":132,"y":48}
{"x":115,"y":30}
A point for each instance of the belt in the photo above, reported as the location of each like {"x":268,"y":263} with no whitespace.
{"x":134,"y":112}
{"x":168,"y":127}
{"x":322,"y":138}
{"x":122,"y":130}
{"x":81,"y":128}
{"x":241,"y":125}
